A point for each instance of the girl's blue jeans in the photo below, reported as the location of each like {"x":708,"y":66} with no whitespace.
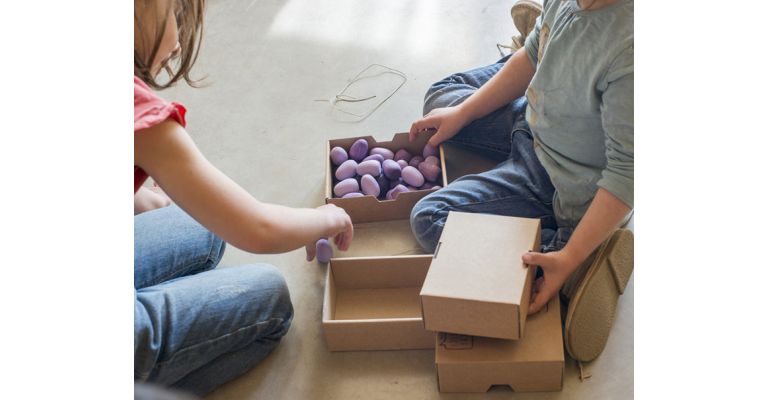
{"x":197,"y":326}
{"x":517,"y":187}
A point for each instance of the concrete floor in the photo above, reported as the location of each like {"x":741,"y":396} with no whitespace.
{"x":265,"y":62}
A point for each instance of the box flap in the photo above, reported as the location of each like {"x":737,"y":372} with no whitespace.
{"x":480,"y":258}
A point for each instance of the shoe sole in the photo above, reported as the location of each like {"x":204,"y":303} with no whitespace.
{"x":528,"y":4}
{"x":592,"y":309}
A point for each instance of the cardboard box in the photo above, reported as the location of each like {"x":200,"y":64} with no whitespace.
{"x":477,"y":283}
{"x":372,"y":303}
{"x":534,"y":363}
{"x":369,"y":208}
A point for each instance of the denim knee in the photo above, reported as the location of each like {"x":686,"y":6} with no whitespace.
{"x":218,"y":246}
{"x":423,"y":225}
{"x":272,"y":282}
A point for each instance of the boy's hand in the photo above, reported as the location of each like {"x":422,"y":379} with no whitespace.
{"x":448,"y":121}
{"x":557,"y":267}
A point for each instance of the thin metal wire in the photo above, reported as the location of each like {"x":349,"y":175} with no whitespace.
{"x":342,"y":97}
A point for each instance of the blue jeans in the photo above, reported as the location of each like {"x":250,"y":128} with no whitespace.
{"x":197,"y":327}
{"x":517,"y":187}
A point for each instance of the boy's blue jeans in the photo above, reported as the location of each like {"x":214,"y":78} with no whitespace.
{"x":517,"y":187}
{"x":196,"y":327}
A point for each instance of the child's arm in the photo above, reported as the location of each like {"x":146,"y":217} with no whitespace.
{"x":167,"y":153}
{"x":602,"y":217}
{"x":507,"y":85}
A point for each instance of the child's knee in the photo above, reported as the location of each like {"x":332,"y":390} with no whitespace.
{"x":425,"y":223}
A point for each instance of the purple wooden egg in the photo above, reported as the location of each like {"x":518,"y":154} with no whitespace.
{"x":429,"y":150}
{"x":415,"y":161}
{"x":412,"y":176}
{"x":324,"y":250}
{"x":348,"y":185}
{"x":376,"y":157}
{"x":347,"y":169}
{"x":370,"y":186}
{"x":402,"y":163}
{"x":430,"y":171}
{"x":383,"y":185}
{"x":432,"y":160}
{"x":359,"y":150}
{"x":404,"y":155}
{"x":392,"y":169}
{"x":392,"y":194}
{"x":384,"y":152}
{"x":338,"y":155}
{"x":352,"y":194}
{"x":370,"y":167}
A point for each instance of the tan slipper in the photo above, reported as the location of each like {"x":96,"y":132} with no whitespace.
{"x":592,"y":308}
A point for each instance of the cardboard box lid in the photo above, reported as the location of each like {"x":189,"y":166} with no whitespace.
{"x":543,"y":342}
{"x":478,"y":263}
{"x":532,"y":364}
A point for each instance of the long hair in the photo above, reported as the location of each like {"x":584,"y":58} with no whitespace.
{"x":189,"y":18}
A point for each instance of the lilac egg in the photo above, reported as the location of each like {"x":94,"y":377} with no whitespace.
{"x":392,"y":169}
{"x":404,"y":155}
{"x":371,"y":167}
{"x":432,"y":160}
{"x":402,"y":163}
{"x":338,"y":155}
{"x":383,"y":185}
{"x":376,"y":157}
{"x":429,"y":150}
{"x":415,"y":161}
{"x":359,"y":150}
{"x":352,"y":194}
{"x":384,"y":152}
{"x":347,"y":169}
{"x":370,"y":186}
{"x":412,"y":176}
{"x":430,"y":171}
{"x":392,"y":194}
{"x":324,"y":250}
{"x":348,"y":185}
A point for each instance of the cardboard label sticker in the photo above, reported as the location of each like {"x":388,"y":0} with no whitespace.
{"x":451,"y":341}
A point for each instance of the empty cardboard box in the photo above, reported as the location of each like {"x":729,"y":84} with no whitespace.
{"x":534,"y":363}
{"x":477,"y":283}
{"x":369,"y":208}
{"x":372,"y":303}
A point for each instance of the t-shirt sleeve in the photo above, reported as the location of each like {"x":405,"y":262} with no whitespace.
{"x":618,"y":119}
{"x":149,"y":109}
{"x":532,"y":41}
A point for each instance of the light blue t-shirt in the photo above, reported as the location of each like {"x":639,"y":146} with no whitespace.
{"x":581,"y":102}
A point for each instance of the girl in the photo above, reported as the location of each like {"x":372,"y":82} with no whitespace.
{"x":570,"y":149}
{"x":196,"y":327}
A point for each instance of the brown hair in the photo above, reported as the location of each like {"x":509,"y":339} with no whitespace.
{"x":189,"y":18}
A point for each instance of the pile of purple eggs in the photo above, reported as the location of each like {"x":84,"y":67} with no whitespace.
{"x":383,"y":173}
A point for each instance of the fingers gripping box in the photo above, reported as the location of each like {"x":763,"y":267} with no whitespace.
{"x":477,"y":283}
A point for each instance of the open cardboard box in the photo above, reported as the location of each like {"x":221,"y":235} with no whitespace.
{"x":534,"y":363}
{"x":477,"y":283}
{"x":372,"y":303}
{"x":369,"y":208}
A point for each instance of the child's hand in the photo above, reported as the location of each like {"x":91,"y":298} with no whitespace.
{"x":339,"y":226}
{"x":557,"y":267}
{"x":448,"y":121}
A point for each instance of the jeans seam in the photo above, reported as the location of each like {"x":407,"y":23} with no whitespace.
{"x":443,"y":208}
{"x":185,"y":269}
{"x":219,"y":338}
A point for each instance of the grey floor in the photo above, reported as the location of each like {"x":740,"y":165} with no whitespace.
{"x":266,"y":62}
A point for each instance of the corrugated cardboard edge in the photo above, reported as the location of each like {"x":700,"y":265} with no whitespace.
{"x":331,"y":326}
{"x":369,"y":208}
{"x":530,"y":277}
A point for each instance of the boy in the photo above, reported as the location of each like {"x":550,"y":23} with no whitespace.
{"x":570,"y":149}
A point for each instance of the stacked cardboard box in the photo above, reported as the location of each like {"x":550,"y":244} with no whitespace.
{"x":469,"y":300}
